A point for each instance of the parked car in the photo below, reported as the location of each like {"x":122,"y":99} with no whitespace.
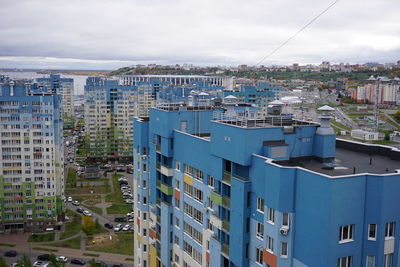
{"x":69,"y":199}
{"x":117,"y":265}
{"x":130,"y":214}
{"x":61,"y":258}
{"x":130,"y":219}
{"x":101,"y":264}
{"x":108,"y":225}
{"x":127,"y":227}
{"x":123,"y":188}
{"x":129,"y":201}
{"x":118,"y":227}
{"x":78,"y":261}
{"x":87,"y":213}
{"x":40,"y":264}
{"x":44,"y":257}
{"x":80,"y":210}
{"x":75,"y":202}
{"x":121,"y":178}
{"x":11,"y":253}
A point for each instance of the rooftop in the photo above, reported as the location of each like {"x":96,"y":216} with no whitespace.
{"x":267,"y":122}
{"x":349,"y":161}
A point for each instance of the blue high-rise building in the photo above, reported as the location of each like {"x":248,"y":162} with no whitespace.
{"x":65,"y":88}
{"x":32,"y":157}
{"x":260,"y":192}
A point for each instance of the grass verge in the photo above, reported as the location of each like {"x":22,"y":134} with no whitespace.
{"x":71,"y":178}
{"x":71,"y":243}
{"x":73,"y":227}
{"x":116,"y":196}
{"x":122,"y":245}
{"x":45,"y":249}
{"x":119,"y":209}
{"x":91,"y":255}
{"x":41,"y":237}
{"x":7,"y":245}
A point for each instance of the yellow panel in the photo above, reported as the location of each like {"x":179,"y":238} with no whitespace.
{"x":139,"y":238}
{"x":153,"y":257}
{"x":188,"y":179}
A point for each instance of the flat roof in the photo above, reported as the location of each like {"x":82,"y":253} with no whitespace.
{"x":267,"y":122}
{"x":345,"y":162}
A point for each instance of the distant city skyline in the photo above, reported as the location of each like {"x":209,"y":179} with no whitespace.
{"x":106,"y":35}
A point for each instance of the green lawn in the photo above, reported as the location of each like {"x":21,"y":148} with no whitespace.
{"x":71,"y":178}
{"x":115,"y":197}
{"x":73,"y":227}
{"x":41,"y":237}
{"x":340,"y":126}
{"x":119,"y":209}
{"x":124,"y":245}
{"x":72,"y":243}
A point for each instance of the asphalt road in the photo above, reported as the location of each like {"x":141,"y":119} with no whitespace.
{"x":33,"y":256}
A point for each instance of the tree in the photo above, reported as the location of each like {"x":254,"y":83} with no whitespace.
{"x":89,"y":226}
{"x":24,"y":261}
{"x":397,"y":115}
{"x":3,"y":262}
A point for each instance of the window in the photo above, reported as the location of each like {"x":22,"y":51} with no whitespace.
{"x":271,"y":215}
{"x":346,"y":233}
{"x":259,"y":255}
{"x":260,"y":204}
{"x":260,"y":230}
{"x":210,"y":181}
{"x":284,"y":249}
{"x":389,"y":232}
{"x":144,"y":248}
{"x":372,"y":232}
{"x":388,"y":260}
{"x":344,"y":261}
{"x":285,"y":219}
{"x":270,"y":245}
{"x":370,"y":261}
{"x":178,"y":165}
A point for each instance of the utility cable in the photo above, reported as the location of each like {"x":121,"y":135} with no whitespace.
{"x":294,"y":35}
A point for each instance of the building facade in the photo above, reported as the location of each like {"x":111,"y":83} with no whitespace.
{"x":260,"y":192}
{"x":65,"y":88}
{"x":32,"y":160}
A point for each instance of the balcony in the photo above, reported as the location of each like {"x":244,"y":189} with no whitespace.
{"x":226,"y":201}
{"x":166,"y":189}
{"x":165,"y":170}
{"x":215,"y":220}
{"x":226,"y":225}
{"x":225,"y":249}
{"x":158,"y":148}
{"x":227,"y":177}
{"x":216,"y":198}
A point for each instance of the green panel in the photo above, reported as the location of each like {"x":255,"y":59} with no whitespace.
{"x":166,"y":189}
{"x":216,"y":198}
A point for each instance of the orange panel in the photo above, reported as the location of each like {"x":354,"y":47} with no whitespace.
{"x":208,"y":257}
{"x":269,"y":258}
{"x":177,"y":194}
{"x":138,"y":222}
{"x":153,"y":234}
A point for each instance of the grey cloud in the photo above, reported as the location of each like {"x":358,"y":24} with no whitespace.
{"x":205,"y":32}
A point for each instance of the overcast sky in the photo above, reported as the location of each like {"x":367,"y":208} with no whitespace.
{"x":106,"y":34}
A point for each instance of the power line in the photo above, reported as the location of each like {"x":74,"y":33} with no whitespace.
{"x":294,"y":35}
